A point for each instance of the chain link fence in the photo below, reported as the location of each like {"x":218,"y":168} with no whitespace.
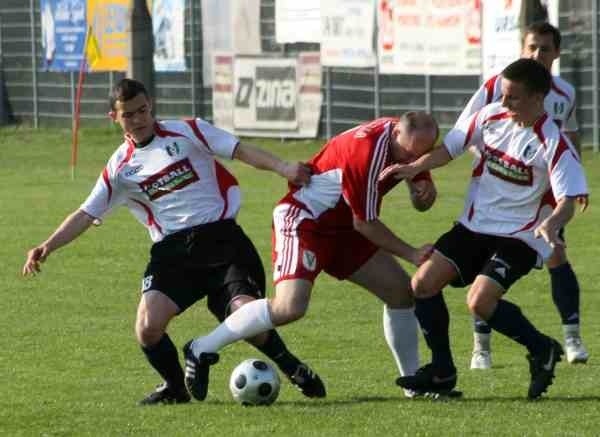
{"x":351,"y":95}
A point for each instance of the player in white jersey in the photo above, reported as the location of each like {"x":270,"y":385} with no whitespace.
{"x":167,"y":175}
{"x":541,"y":42}
{"x":510,"y":222}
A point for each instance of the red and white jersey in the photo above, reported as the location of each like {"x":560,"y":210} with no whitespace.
{"x":559,"y":102}
{"x":344,"y":180}
{"x":517,"y":171}
{"x":172,"y":183}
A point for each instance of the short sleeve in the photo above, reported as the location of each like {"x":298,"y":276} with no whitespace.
{"x":218,"y":141}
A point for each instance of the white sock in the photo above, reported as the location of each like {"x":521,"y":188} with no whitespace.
{"x":571,"y":330}
{"x":400,"y":330}
{"x":251,"y":319}
{"x":481,"y":342}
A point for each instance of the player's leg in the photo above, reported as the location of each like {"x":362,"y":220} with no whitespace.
{"x":481,"y":357}
{"x":512,"y":260}
{"x":565,"y":294}
{"x":383,"y":276}
{"x":155,"y":310}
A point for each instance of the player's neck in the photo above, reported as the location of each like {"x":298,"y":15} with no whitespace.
{"x":531,"y":120}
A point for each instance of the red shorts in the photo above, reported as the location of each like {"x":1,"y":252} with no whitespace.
{"x":300,"y":250}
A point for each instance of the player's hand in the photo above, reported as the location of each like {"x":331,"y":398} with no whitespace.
{"x":549,"y":233}
{"x":398,"y":171}
{"x":35,"y":257}
{"x":422,"y":194}
{"x":583,"y":202}
{"x":421,"y":254}
{"x":297,"y":173}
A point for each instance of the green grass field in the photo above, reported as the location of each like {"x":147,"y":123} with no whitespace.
{"x":70,"y":365}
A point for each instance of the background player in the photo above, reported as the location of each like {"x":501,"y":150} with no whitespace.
{"x":167,"y":175}
{"x":333,"y":224}
{"x":541,"y":42}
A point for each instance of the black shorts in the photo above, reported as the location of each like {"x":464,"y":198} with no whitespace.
{"x":502,"y":259}
{"x":216,"y":260}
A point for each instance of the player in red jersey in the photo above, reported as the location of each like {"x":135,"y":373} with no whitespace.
{"x":332,"y":225}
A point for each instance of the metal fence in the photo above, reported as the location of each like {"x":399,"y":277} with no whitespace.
{"x":351,"y":95}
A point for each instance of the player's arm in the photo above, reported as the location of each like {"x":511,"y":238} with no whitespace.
{"x":438,"y":157}
{"x":380,"y":235}
{"x":422,"y":194}
{"x":296,"y":172}
{"x":71,"y":227}
{"x":551,"y":225}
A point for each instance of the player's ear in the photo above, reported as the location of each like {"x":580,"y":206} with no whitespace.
{"x":112,"y":115}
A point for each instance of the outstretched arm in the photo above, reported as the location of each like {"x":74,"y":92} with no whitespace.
{"x":380,"y":235}
{"x":71,"y":227}
{"x":297,"y":173}
{"x":438,"y":157}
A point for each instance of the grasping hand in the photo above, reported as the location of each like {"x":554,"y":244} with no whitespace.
{"x":35,"y":257}
{"x":421,"y":254}
{"x":297,"y":173}
{"x":398,"y":171}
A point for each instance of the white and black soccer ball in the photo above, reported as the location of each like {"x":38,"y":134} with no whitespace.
{"x":254,"y":382}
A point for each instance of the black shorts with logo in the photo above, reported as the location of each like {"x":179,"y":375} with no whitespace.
{"x":216,"y":260}
{"x":502,"y":259}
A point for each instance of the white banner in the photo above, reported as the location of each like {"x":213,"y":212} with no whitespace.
{"x":268,"y":97}
{"x":297,"y":21}
{"x":429,"y":37}
{"x":231,"y":26}
{"x":501,"y":35}
{"x":347,"y":33}
{"x":168,"y":28}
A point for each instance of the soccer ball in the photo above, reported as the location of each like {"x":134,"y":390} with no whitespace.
{"x":254,"y":382}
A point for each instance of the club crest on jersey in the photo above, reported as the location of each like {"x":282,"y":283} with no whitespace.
{"x":528,"y":152}
{"x":508,"y":168}
{"x":171,"y":178}
{"x":172,"y":149}
{"x":309,"y":260}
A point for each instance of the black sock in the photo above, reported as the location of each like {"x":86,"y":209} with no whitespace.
{"x":480,"y":326}
{"x":165,"y":360}
{"x":434,"y":319}
{"x":565,"y":293}
{"x":275,"y":349}
{"x":510,"y":321}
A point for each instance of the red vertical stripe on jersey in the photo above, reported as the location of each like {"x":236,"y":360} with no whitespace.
{"x":537,"y":128}
{"x":150,"y":216}
{"x":471,"y":129}
{"x":128,"y":155}
{"x":560,"y":149}
{"x":547,"y":199}
{"x":194,"y":126}
{"x":560,"y":91}
{"x":490,"y":85}
{"x":107,"y":182}
{"x":225,"y":181}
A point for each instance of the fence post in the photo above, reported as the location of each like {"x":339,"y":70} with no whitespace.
{"x":428,"y":93}
{"x":33,"y":63}
{"x":193,"y":56}
{"x":376,"y":87}
{"x":596,"y":142}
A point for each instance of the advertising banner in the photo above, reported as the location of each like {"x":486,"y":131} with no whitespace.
{"x":439,"y":37}
{"x":109,"y":20}
{"x":297,"y":21}
{"x":169,"y":34}
{"x":254,"y":96}
{"x":347,"y":28}
{"x":64,"y":29}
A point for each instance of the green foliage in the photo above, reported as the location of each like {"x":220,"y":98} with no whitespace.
{"x":70,"y":364}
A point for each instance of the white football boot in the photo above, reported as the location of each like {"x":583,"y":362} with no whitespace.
{"x":574,"y":348}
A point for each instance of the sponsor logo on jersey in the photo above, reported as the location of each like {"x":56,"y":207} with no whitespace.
{"x":508,"y":168}
{"x":169,"y":179}
{"x":134,"y":170}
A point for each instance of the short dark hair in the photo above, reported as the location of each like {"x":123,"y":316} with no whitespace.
{"x":125,"y":90}
{"x":530,"y":73}
{"x":543,"y":28}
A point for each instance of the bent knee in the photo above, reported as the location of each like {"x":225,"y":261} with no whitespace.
{"x":481,"y":306}
{"x":148,"y":334}
{"x":421,"y":286}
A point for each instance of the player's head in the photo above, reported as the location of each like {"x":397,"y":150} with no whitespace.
{"x":414,"y":135}
{"x":131,"y":107}
{"x":541,"y":42}
{"x":525,"y":84}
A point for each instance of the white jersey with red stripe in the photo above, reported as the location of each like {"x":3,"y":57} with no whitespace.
{"x":344,"y":181}
{"x":172,"y":183}
{"x":559,"y":103}
{"x":516,"y":173}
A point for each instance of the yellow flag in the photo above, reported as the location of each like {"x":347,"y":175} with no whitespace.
{"x":92,"y":50}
